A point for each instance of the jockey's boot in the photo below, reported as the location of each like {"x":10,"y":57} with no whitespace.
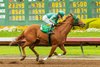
{"x":51,"y":32}
{"x":49,"y":36}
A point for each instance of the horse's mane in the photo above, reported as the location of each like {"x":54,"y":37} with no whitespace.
{"x":59,"y":24}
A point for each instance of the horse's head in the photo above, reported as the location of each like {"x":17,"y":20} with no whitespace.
{"x":72,"y":20}
{"x":76,"y":21}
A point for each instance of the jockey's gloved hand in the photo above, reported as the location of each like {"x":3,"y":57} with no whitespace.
{"x":52,"y":25}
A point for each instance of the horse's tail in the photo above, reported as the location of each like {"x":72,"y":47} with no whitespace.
{"x":18,"y":39}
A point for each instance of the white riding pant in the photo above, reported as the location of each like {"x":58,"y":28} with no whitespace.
{"x":46,"y":19}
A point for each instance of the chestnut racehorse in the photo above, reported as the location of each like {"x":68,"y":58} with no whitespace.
{"x":34,"y":36}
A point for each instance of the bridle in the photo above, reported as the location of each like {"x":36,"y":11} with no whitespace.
{"x":76,"y":20}
{"x":74,"y":23}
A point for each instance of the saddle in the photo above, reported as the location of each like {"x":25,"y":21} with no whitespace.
{"x":48,"y":30}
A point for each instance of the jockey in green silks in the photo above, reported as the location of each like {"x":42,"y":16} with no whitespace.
{"x":52,"y":18}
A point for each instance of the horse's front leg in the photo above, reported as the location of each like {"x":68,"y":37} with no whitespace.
{"x":62,"y":48}
{"x":51,"y":52}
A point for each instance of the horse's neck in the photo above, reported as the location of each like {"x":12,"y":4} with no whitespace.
{"x":65,"y":28}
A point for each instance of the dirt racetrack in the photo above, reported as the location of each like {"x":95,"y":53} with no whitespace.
{"x":49,"y":63}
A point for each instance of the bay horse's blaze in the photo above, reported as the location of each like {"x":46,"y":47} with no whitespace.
{"x":33,"y":36}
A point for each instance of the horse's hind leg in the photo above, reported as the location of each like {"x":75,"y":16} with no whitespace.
{"x":23,"y":50}
{"x":32,"y":48}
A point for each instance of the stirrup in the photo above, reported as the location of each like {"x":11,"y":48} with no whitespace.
{"x":50,"y":32}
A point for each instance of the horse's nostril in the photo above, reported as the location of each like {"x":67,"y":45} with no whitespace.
{"x":84,"y":24}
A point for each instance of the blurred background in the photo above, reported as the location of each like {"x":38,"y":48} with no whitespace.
{"x":16,"y":15}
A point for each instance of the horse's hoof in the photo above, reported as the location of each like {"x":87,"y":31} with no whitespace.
{"x":41,"y":62}
{"x":22,"y":58}
{"x":55,"y":53}
{"x":37,"y":59}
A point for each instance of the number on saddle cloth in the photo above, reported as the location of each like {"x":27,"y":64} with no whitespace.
{"x":46,"y":28}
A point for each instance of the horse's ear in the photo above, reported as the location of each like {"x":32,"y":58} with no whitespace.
{"x":71,"y":14}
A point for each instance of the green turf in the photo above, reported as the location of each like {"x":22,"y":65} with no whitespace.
{"x":71,"y":34}
{"x":43,"y":51}
{"x":84,"y":34}
{"x":9,"y":34}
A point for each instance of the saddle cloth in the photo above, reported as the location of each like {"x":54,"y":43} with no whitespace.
{"x":45,"y":28}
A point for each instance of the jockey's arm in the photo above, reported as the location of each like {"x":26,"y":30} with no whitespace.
{"x":52,"y":18}
{"x":62,"y":19}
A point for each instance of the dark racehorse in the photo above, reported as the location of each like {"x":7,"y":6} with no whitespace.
{"x":33,"y":36}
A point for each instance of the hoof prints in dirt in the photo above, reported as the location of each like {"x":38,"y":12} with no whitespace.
{"x":1,"y":62}
{"x":13,"y":62}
